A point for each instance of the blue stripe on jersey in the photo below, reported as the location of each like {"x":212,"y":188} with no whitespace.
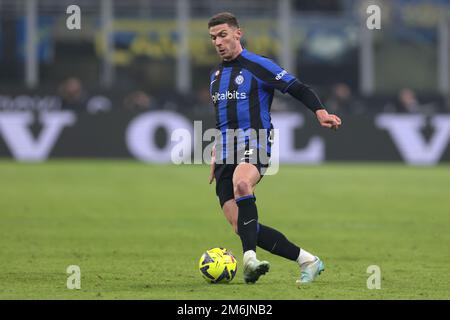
{"x":222,"y":109}
{"x":223,"y":87}
{"x":265,"y":101}
{"x":264,"y":105}
{"x":243,"y":108}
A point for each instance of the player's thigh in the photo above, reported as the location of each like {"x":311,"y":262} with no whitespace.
{"x":224,"y":183}
{"x":230,"y":210}
{"x":245,"y":175}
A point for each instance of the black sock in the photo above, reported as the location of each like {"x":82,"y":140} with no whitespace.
{"x":247,"y":222}
{"x":275,"y":242}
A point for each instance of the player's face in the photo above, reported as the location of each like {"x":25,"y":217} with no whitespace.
{"x":226,"y":40}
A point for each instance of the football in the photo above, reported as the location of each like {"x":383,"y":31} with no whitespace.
{"x":218,"y":265}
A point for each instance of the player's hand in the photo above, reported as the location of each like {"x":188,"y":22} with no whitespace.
{"x":327,"y":120}
{"x":213,"y":161}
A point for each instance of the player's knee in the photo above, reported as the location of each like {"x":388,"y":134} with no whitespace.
{"x":242,"y":188}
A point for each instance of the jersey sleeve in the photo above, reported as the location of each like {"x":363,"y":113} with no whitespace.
{"x":270,"y":73}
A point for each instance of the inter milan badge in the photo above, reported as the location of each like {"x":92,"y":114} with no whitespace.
{"x":239,"y":79}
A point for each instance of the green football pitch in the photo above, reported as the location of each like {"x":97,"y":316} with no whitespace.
{"x":137,"y":231}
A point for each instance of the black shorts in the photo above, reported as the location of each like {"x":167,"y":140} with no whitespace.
{"x":223,"y":174}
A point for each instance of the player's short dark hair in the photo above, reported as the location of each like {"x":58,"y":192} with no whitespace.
{"x":223,"y":17}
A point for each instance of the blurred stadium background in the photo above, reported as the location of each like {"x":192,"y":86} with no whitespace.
{"x":138,"y":69}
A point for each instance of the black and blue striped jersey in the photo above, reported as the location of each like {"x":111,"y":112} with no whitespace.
{"x":242,"y":91}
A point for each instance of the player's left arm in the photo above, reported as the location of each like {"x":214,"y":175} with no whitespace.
{"x":309,"y":98}
{"x":276,"y":77}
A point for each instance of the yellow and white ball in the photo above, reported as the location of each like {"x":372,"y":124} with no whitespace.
{"x":217,"y":265}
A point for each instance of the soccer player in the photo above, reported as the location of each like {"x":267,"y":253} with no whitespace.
{"x":242,"y":89}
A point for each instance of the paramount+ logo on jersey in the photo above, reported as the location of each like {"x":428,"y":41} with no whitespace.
{"x":229,"y":95}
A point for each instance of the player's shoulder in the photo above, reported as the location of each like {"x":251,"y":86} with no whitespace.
{"x":258,"y":63}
